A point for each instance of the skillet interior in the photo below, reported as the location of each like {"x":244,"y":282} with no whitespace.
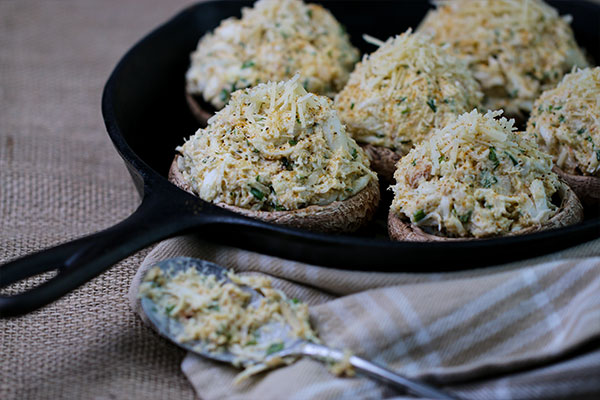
{"x":147,"y":117}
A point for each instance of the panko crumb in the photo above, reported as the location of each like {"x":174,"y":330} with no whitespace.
{"x":344,"y":367}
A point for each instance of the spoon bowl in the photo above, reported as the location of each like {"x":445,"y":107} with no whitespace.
{"x":274,"y":332}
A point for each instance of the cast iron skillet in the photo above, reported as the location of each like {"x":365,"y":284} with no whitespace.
{"x":146,"y":117}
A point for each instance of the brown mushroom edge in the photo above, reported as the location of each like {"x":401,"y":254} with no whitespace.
{"x":201,"y":114}
{"x":587,"y":188}
{"x":340,"y":216}
{"x":570,"y":212}
{"x":383,"y":161}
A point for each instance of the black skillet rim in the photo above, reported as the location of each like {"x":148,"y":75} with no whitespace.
{"x":146,"y":178}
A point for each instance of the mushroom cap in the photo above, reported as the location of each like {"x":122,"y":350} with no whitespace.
{"x":587,"y":188}
{"x":383,"y":161}
{"x":336,"y":217}
{"x":201,"y":114}
{"x":570,"y":212}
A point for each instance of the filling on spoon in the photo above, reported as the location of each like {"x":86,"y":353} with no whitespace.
{"x":223,"y":316}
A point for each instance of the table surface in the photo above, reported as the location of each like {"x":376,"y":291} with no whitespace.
{"x":60,"y":178}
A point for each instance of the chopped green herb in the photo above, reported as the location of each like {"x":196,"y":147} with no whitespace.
{"x":248,"y":64}
{"x":354,"y":153}
{"x":406,"y":110}
{"x":465,"y":217}
{"x":349,"y":190}
{"x":598,"y":155}
{"x":287,"y":164}
{"x":401,"y":99}
{"x":557,"y":108}
{"x":493,"y":157}
{"x":214,"y":307}
{"x":512,"y":158}
{"x":295,"y":300}
{"x":561,"y":118}
{"x":419,"y":215}
{"x":580,"y":131}
{"x":274,"y":348}
{"x":431,"y":104}
{"x":170,"y":308}
{"x":305,"y":84}
{"x":292,"y":142}
{"x":405,"y":141}
{"x":257,"y":178}
{"x":298,"y":120}
{"x":251,"y":342}
{"x":277,"y":207}
{"x":352,"y":106}
{"x":589,"y":139}
{"x":487,"y":179}
{"x":257,"y":193}
{"x":533,"y":124}
{"x":309,"y":13}
{"x":225,"y":95}
{"x":414,"y":162}
{"x":441,"y":158}
{"x":550,"y":108}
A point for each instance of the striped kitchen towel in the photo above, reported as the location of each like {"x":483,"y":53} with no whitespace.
{"x":520,"y":331}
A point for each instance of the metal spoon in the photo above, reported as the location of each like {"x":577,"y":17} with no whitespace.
{"x":291,"y":346}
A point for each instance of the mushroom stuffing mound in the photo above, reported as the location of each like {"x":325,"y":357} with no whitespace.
{"x":515,"y":48}
{"x":280,"y":154}
{"x":399,"y":94}
{"x":566,"y":123}
{"x":272,"y":41}
{"x":478,"y":178}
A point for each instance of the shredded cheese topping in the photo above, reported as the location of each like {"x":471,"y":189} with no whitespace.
{"x":397,"y":95}
{"x":275,"y":147}
{"x":272,"y":42}
{"x":222,"y":316}
{"x":475,"y":177}
{"x":515,"y":48}
{"x":566,"y":122}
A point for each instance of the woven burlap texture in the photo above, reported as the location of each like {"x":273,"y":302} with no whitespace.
{"x":61,"y":178}
{"x":511,"y":331}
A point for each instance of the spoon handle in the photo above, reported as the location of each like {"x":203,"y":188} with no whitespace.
{"x":375,"y":371}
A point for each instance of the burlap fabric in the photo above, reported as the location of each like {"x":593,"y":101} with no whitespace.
{"x":60,"y":178}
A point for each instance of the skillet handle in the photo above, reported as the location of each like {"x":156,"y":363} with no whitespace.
{"x":81,"y":260}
